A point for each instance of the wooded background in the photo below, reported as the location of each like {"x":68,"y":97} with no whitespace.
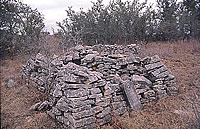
{"x":118,"y":22}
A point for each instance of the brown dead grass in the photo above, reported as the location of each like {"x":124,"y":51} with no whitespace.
{"x":16,"y":101}
{"x":182,"y":58}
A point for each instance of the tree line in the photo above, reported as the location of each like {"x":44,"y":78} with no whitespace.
{"x":21,"y":26}
{"x":132,"y":21}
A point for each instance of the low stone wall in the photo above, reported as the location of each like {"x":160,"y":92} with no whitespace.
{"x":90,"y":84}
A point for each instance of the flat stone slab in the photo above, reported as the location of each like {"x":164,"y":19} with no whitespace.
{"x":131,"y":95}
{"x":116,"y":56}
{"x":153,"y":66}
{"x":159,"y":71}
{"x":141,"y":80}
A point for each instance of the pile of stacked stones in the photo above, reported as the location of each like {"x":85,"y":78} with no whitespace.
{"x":88,"y":84}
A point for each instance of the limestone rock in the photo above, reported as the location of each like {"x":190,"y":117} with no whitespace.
{"x":57,"y":93}
{"x":10,"y":83}
{"x":131,"y":95}
{"x":89,"y":58}
{"x":43,"y":106}
{"x":35,"y":106}
{"x":153,"y":66}
{"x":90,"y":83}
{"x":141,"y":80}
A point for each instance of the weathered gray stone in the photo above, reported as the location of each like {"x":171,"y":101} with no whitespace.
{"x":170,"y":77}
{"x":57,"y":93}
{"x":43,"y":106}
{"x":51,"y":114}
{"x":171,"y":83}
{"x":153,"y":66}
{"x":60,"y":118}
{"x":67,"y":59}
{"x":81,"y":73}
{"x":62,"y":105}
{"x":158,"y":71}
{"x":56,"y":111}
{"x":157,"y":88}
{"x":161,"y":94}
{"x":96,"y":109}
{"x":104,"y":113}
{"x":95,"y":96}
{"x":104,"y":120}
{"x":120,"y":111}
{"x":107,"y":110}
{"x":77,"y":104}
{"x":108,"y":92}
{"x":154,"y":59}
{"x":70,"y":78}
{"x":140,"y":91}
{"x":76,"y":93}
{"x":83,"y":122}
{"x":82,"y":114}
{"x":35,"y":106}
{"x":98,"y":58}
{"x":149,"y":94}
{"x":118,"y":98}
{"x":89,"y":126}
{"x":57,"y":62}
{"x":131,"y":95}
{"x":116,"y":56}
{"x":172,"y":90}
{"x":89,"y":58}
{"x":40,"y":57}
{"x":79,"y":109}
{"x":10,"y":83}
{"x":95,"y":91}
{"x":92,"y":78}
{"x":146,"y":60}
{"x":79,"y":98}
{"x":104,"y":102}
{"x":72,"y":67}
{"x":151,"y":99}
{"x":75,"y":86}
{"x":75,"y":56}
{"x":116,"y":105}
{"x":141,"y":80}
{"x":125,"y":77}
{"x":132,"y":59}
{"x":132,"y":67}
{"x":163,"y":74}
{"x":66,"y":121}
{"x":52,"y":101}
{"x":100,"y":83}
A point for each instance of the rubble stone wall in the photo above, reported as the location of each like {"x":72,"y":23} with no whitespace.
{"x":86,"y":85}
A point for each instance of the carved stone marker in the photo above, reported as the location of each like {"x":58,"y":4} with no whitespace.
{"x":131,"y":95}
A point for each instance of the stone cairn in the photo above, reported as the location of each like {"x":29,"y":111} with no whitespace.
{"x":89,"y":84}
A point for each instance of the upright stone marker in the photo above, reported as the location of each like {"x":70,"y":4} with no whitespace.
{"x":131,"y":95}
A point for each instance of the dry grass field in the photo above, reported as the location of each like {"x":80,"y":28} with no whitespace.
{"x":182,"y":58}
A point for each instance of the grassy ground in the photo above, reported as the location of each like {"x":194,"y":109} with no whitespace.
{"x":182,"y":58}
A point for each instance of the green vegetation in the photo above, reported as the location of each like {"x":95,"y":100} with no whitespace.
{"x":118,"y":22}
{"x":20,"y":26}
{"x":133,"y":21}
